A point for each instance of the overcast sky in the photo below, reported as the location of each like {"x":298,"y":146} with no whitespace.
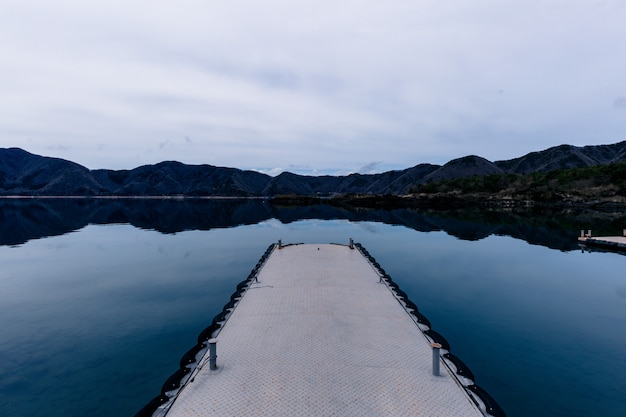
{"x":309,"y":86}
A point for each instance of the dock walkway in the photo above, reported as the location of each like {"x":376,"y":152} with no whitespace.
{"x":610,"y":242}
{"x":320,"y":335}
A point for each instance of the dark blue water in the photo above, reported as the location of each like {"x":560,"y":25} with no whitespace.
{"x":92,"y":322}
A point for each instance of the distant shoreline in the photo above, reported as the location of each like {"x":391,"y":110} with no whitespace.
{"x":441,"y":201}
{"x":128,"y":197}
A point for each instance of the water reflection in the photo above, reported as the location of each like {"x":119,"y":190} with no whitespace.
{"x":27,"y":219}
{"x":93,"y":322}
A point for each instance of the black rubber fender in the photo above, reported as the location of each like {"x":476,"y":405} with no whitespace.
{"x":220,"y":317}
{"x":236,"y":295}
{"x":230,"y":304}
{"x":207,"y":333}
{"x":438,"y":338}
{"x":152,"y":406}
{"x":173,"y":381}
{"x":421,"y":318}
{"x":242,"y":285}
{"x":491,"y":405}
{"x":410,"y":304}
{"x":401,"y":294}
{"x":461,"y":368}
{"x":190,"y":355}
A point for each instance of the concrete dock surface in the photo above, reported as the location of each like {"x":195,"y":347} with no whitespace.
{"x":320,"y":335}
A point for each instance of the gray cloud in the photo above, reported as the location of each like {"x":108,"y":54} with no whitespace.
{"x":58,"y":147}
{"x":290,"y":84}
{"x":620,"y":103}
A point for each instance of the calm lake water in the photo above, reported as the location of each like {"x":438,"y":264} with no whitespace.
{"x":99,"y":300}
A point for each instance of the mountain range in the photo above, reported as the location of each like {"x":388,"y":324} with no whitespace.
{"x":26,"y":174}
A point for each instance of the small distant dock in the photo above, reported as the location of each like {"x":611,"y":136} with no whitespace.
{"x":607,"y":242}
{"x":319,"y":332}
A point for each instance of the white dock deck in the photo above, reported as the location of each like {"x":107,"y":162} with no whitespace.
{"x":319,"y":335}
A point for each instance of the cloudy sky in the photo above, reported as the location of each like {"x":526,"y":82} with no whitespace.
{"x":309,"y":86}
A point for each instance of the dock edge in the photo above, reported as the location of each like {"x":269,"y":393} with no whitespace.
{"x":195,"y":358}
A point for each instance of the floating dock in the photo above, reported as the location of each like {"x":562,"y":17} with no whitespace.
{"x":608,"y":242}
{"x":321,"y":330}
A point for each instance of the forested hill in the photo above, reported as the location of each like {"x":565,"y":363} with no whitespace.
{"x":26,"y":174}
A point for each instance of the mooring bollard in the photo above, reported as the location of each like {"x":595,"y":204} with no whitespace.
{"x":589,"y":233}
{"x":582,"y":233}
{"x":280,"y":244}
{"x":213,"y":354}
{"x":436,"y":350}
{"x":624,"y":232}
{"x":352,"y":242}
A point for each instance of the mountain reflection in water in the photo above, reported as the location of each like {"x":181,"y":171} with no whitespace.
{"x":22,"y":220}
{"x":95,"y":319}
